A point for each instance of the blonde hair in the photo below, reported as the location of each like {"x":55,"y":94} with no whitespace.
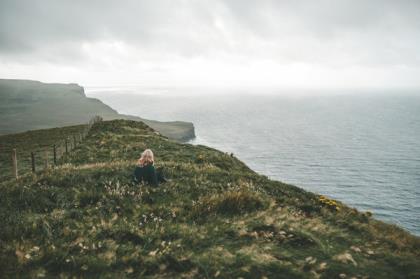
{"x":146,"y":158}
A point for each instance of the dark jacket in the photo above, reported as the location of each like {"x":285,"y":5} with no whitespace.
{"x":146,"y":174}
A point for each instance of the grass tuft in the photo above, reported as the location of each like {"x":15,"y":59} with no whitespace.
{"x":229,"y":203}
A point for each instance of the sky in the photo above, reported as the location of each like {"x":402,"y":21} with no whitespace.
{"x":323,"y":44}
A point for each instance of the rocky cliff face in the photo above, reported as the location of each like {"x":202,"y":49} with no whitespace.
{"x":29,"y":105}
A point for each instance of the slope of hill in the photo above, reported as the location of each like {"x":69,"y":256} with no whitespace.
{"x":39,"y":142}
{"x":30,"y":105}
{"x":214,"y":218}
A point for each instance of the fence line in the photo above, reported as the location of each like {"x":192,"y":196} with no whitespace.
{"x":70,"y":142}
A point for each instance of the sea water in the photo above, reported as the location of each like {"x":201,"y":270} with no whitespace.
{"x":362,"y":148}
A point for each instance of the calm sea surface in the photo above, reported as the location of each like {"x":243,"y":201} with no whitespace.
{"x":362,"y":149}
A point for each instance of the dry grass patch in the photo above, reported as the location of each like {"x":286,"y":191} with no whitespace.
{"x":229,"y":203}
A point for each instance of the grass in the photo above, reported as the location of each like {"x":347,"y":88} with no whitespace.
{"x":214,"y":218}
{"x":40,"y":142}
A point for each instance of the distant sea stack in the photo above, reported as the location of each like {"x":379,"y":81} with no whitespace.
{"x":30,"y":105}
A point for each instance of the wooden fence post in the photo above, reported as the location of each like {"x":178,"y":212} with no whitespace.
{"x":46,"y":159}
{"x":33,"y":162}
{"x":67,"y":148}
{"x":74,"y":141}
{"x":14,"y":162}
{"x":55,"y":154}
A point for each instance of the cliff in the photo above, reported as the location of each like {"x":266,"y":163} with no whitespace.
{"x":214,"y":218}
{"x":30,"y":105}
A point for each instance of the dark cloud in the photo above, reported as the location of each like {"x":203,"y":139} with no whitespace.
{"x":332,"y":33}
{"x":26,"y":25}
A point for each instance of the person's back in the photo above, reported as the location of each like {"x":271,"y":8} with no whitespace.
{"x":146,"y":174}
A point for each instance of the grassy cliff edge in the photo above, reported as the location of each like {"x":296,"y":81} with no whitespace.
{"x":214,"y":218}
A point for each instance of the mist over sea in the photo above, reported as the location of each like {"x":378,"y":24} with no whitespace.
{"x":362,"y":149}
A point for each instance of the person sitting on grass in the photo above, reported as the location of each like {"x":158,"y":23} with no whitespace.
{"x":145,"y":170}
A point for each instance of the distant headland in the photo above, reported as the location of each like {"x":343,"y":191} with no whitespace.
{"x":30,"y":105}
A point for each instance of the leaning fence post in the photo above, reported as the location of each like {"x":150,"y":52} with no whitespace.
{"x":46,"y":159}
{"x":33,"y":162}
{"x":14,"y":161}
{"x":74,"y":141}
{"x":55,"y":154}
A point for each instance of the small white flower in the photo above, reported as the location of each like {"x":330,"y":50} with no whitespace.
{"x":84,"y":267}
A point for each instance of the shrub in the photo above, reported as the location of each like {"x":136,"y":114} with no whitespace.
{"x":229,"y":203}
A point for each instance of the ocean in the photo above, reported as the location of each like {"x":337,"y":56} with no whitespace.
{"x":360,"y":148}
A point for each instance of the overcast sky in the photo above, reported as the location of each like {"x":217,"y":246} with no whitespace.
{"x":286,"y":44}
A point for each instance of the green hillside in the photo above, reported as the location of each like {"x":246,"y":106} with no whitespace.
{"x":31,"y":105}
{"x":215,"y":218}
{"x":39,"y":142}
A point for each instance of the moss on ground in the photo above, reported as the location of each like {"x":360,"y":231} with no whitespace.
{"x":214,"y":218}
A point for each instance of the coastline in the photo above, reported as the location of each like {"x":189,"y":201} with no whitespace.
{"x":221,"y":213}
{"x":33,"y":105}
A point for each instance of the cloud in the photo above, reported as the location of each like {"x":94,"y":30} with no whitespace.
{"x":186,"y":40}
